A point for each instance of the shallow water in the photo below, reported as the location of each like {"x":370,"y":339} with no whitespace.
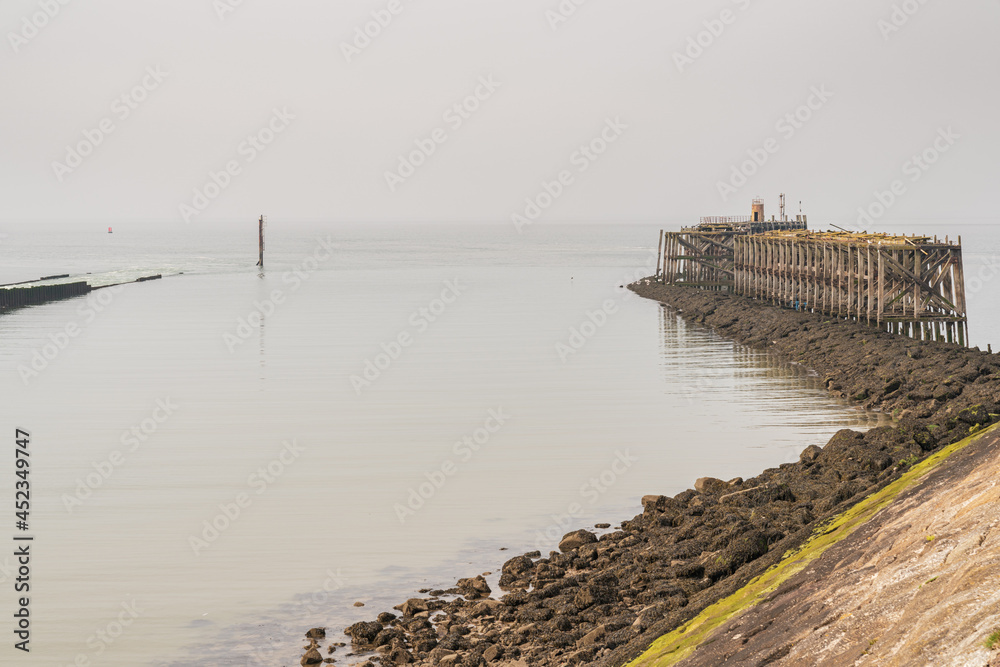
{"x":325,"y":491}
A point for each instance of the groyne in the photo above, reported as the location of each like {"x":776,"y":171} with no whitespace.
{"x":603,"y":600}
{"x":18,"y":297}
{"x":36,"y":295}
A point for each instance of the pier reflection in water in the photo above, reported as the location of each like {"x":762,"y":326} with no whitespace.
{"x":716,"y":377}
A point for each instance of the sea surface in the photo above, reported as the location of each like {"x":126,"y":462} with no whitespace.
{"x":227,"y":457}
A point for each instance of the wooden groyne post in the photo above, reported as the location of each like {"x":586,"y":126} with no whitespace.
{"x":260,"y":241}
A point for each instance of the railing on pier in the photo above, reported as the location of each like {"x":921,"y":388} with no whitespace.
{"x":725,"y":219}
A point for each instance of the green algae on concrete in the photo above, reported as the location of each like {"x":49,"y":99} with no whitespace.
{"x":674,"y":646}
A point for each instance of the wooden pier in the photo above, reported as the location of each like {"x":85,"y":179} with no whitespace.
{"x":909,"y":285}
{"x":703,"y":256}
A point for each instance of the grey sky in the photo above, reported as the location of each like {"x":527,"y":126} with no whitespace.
{"x":686,"y":130}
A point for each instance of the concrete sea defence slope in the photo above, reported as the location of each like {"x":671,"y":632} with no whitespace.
{"x":604,"y":599}
{"x":909,"y":576}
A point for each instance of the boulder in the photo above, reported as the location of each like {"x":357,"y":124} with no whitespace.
{"x":398,"y":656}
{"x":474,"y":588}
{"x":486,"y":608}
{"x":947,"y":391}
{"x":317,"y":633}
{"x":493,"y":653}
{"x":588,"y":596}
{"x":517,"y":566}
{"x":413,"y":606}
{"x":312,"y":657}
{"x":576,"y":539}
{"x":592,"y":637}
{"x":975,"y":415}
{"x":386,"y":637}
{"x":925,"y":439}
{"x":711,"y":485}
{"x":656,"y":503}
{"x":810,"y":454}
{"x":439,"y":654}
{"x":364,"y":632}
{"x":747,"y":547}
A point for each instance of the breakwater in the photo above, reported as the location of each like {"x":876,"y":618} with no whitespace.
{"x":18,"y":297}
{"x":36,"y":295}
{"x":603,"y":599}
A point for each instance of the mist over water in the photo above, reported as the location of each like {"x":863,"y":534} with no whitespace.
{"x":201,"y":455}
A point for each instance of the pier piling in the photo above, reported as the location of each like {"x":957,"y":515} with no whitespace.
{"x":909,"y":285}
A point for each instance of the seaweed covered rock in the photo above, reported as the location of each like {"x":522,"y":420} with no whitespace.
{"x":576,"y":539}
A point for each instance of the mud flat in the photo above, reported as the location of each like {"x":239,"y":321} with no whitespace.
{"x":605,"y":600}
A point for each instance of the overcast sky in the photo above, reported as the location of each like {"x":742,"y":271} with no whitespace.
{"x":200,"y":76}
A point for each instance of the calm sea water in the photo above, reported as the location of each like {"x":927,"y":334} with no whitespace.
{"x":225,"y":458}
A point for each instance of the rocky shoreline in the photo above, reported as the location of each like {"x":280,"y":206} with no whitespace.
{"x":602,"y":601}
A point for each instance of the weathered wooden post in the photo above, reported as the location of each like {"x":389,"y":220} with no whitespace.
{"x":260,"y":241}
{"x":659,"y":255}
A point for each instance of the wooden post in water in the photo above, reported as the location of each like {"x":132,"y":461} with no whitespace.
{"x":260,"y":241}
{"x":659,"y":255}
